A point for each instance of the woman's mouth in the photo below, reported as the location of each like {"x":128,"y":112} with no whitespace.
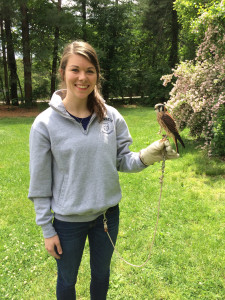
{"x":82,"y":87}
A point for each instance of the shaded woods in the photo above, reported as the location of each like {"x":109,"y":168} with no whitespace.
{"x":137,"y":42}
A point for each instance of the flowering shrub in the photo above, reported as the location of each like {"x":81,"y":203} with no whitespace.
{"x":218,"y":141}
{"x":197,"y":99}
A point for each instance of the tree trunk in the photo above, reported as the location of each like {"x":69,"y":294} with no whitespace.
{"x":110,"y":54}
{"x":26,"y":53}
{"x":20,"y":87}
{"x":173,"y":59}
{"x":3,"y":90}
{"x":6,"y":79}
{"x":84,"y":17}
{"x":11,"y":61}
{"x":55,"y":53}
{"x":54,"y":61}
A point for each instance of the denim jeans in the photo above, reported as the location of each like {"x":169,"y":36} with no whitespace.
{"x":72,"y":237}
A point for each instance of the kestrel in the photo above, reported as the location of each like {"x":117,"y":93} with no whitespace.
{"x":167,"y":122}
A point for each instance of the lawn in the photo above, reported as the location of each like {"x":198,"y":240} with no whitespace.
{"x":188,"y":257}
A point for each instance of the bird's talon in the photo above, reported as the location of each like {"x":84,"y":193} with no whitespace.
{"x":164,"y":137}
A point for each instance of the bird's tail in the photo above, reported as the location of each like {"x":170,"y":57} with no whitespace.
{"x":181,"y":141}
{"x":175,"y":141}
{"x":178,"y":137}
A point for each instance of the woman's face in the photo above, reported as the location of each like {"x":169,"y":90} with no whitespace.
{"x":80,"y":77}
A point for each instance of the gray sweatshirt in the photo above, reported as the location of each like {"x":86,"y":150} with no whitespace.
{"x":74,"y":172}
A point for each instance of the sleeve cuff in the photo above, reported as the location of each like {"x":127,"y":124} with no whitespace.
{"x":48,"y":230}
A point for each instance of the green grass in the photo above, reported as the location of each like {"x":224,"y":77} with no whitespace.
{"x":188,"y":258}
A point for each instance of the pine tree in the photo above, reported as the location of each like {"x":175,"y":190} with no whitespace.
{"x":26,"y":52}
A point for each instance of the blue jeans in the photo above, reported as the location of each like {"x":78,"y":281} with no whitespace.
{"x":72,"y":237}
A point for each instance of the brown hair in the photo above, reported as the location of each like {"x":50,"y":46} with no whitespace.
{"x":95,"y":100}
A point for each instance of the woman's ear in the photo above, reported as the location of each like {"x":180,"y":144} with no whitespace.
{"x":62,"y":74}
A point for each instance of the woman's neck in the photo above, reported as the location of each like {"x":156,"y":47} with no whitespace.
{"x":76,"y":108}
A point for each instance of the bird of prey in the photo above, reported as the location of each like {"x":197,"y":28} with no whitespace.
{"x":167,"y":123}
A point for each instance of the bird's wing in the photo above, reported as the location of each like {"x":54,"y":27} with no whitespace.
{"x":170,"y":123}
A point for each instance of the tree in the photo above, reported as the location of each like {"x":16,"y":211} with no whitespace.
{"x":160,"y":20}
{"x":7,"y":14}
{"x":26,"y":52}
{"x":173,"y":58}
{"x":55,"y":50}
{"x":84,"y":19}
{"x":11,"y":61}
{"x":6,"y":81}
{"x":193,"y":29}
{"x":109,"y":24}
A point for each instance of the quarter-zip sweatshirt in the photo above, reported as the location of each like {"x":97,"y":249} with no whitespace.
{"x":73,"y":171}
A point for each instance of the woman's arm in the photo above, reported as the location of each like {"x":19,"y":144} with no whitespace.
{"x":40,"y":189}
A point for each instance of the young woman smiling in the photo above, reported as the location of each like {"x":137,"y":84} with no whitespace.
{"x":77,"y":147}
{"x":80,"y":78}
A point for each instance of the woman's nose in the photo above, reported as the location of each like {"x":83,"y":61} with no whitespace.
{"x":82,"y":75}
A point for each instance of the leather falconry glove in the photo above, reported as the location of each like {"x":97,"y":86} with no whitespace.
{"x":154,"y":152}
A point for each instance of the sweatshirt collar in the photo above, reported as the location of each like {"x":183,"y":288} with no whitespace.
{"x":57,"y":104}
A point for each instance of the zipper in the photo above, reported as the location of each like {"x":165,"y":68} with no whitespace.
{"x":66,"y":115}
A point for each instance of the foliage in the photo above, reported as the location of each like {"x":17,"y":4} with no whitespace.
{"x":194,"y":17}
{"x":187,"y":261}
{"x":122,"y":32}
{"x":197,"y":99}
{"x":108,"y":32}
{"x":218,"y":141}
{"x":137,"y":41}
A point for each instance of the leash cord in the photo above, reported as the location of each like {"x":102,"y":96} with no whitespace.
{"x":156,"y":225}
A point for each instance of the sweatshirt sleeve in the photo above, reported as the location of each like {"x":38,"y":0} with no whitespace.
{"x":40,"y":189}
{"x":127,"y":161}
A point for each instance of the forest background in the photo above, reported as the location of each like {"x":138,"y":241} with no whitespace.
{"x":150,"y":51}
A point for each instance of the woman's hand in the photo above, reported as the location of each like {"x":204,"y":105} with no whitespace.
{"x":53,"y":246}
{"x":155,"y":152}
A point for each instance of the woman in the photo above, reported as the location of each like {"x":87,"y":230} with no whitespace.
{"x":77,"y":147}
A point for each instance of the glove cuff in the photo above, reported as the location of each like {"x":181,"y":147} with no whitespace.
{"x":142,"y":158}
{"x":145,"y":157}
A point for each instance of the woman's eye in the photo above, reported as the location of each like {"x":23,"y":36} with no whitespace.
{"x":75,"y":70}
{"x":90,"y":72}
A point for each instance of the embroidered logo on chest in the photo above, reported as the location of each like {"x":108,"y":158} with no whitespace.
{"x":107,"y":125}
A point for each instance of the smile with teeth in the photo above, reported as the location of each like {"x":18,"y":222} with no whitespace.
{"x":79,"y":86}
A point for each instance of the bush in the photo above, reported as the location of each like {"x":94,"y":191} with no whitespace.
{"x":218,"y":141}
{"x":42,"y":90}
{"x":197,"y":98}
